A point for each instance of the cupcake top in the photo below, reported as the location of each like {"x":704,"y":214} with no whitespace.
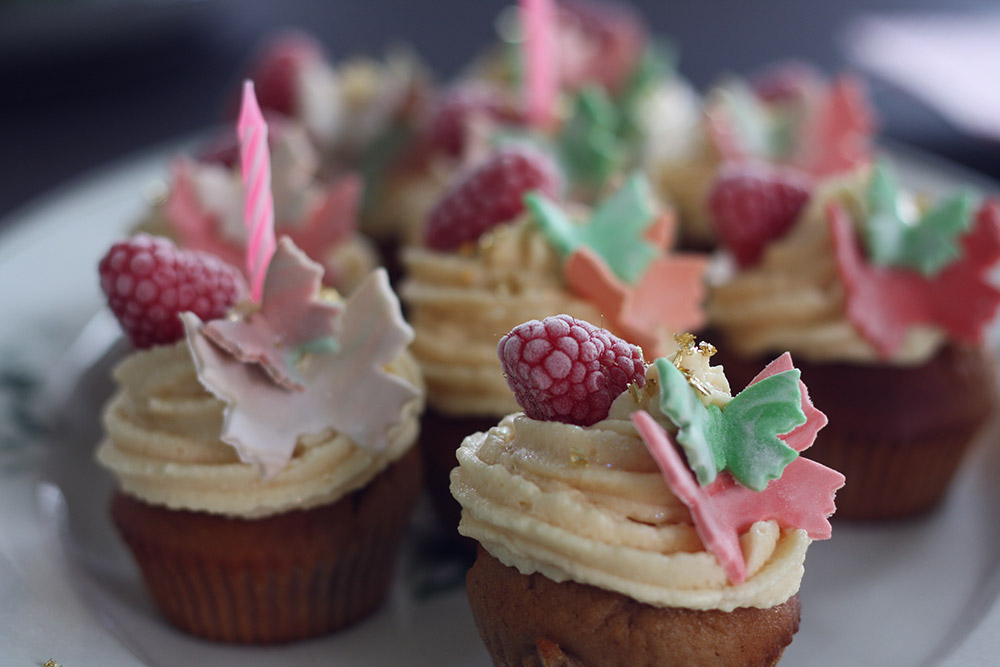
{"x":498,"y":257}
{"x":594,"y":489}
{"x":204,"y":206}
{"x":261,"y":407}
{"x":866,"y":273}
{"x":788,"y":115}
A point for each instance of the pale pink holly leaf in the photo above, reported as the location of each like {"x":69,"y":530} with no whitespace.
{"x":883,"y":302}
{"x":347,"y":391}
{"x":330,"y":220}
{"x":291,"y":321}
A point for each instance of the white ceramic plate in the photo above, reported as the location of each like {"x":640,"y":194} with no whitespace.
{"x":917,"y":592}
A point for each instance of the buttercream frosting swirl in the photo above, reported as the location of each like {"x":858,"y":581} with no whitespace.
{"x":163,"y":445}
{"x":461,"y":303}
{"x":589,"y":504}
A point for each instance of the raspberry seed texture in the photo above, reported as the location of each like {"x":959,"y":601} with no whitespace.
{"x":148,"y":281}
{"x":567,"y":370}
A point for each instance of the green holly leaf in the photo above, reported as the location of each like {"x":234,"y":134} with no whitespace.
{"x":741,"y":438}
{"x":588,"y":142}
{"x":746,"y":431}
{"x":683,"y":407}
{"x":615,"y":231}
{"x":927,"y":245}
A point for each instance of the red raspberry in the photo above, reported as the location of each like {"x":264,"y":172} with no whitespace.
{"x":491,"y":194}
{"x":448,"y":126}
{"x":567,"y":370}
{"x":613,"y":39}
{"x":275,"y":71}
{"x":752,"y":204}
{"x":149,"y":281}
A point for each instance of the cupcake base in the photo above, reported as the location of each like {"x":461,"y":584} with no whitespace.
{"x":897,"y":433}
{"x":440,"y":437}
{"x":277,"y":579}
{"x":531,"y":620}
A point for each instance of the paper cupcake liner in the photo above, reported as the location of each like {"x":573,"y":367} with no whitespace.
{"x":532,"y":620}
{"x":278,"y":579}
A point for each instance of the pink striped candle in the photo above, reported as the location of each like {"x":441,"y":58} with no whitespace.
{"x":258,"y":206}
{"x":538,"y":60}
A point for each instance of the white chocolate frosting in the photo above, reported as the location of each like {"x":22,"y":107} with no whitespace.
{"x":163,"y":445}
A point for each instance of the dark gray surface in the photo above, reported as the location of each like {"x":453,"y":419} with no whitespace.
{"x":80,"y":87}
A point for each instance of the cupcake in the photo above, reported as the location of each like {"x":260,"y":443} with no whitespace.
{"x":488,"y":263}
{"x":264,"y":452}
{"x":652,"y":518}
{"x":616,"y":90}
{"x":204,"y":205}
{"x":884,"y":298}
{"x":787,"y":115}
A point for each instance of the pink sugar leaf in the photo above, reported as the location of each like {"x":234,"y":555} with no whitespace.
{"x":330,"y":223}
{"x":291,"y":320}
{"x":837,"y":135}
{"x":883,"y":302}
{"x":802,"y":498}
{"x":196,"y":228}
{"x":803,"y":436}
{"x":346,"y":390}
{"x":666,"y":300}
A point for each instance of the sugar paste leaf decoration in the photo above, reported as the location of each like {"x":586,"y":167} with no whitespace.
{"x":883,"y":302}
{"x":347,"y":390}
{"x":836,"y":136}
{"x":830,"y":134}
{"x":329,"y":220}
{"x":616,"y":231}
{"x":801,"y":499}
{"x":668,"y":297}
{"x":927,"y":245}
{"x":292,"y":319}
{"x":588,"y":142}
{"x":742,"y":438}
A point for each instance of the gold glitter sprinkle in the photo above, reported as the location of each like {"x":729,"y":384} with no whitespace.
{"x":578,"y":458}
{"x":685,"y":340}
{"x":633,"y":389}
{"x":242,"y":310}
{"x":51,"y":663}
{"x":707,"y":349}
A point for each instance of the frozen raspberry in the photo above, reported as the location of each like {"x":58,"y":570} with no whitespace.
{"x":567,"y":370}
{"x":148,"y":281}
{"x":785,"y":82}
{"x":450,"y":119}
{"x":600,"y":42}
{"x":752,"y":204}
{"x":491,"y":194}
{"x":276,"y":70}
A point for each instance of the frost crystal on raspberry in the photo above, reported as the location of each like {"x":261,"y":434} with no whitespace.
{"x":567,"y":370}
{"x":148,"y":281}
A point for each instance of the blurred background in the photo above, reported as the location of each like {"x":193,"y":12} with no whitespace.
{"x":84,"y":82}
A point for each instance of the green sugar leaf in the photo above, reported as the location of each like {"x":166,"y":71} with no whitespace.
{"x":928,"y":245}
{"x":746,"y":431}
{"x":741,"y":438}
{"x":588,"y":142}
{"x":615,"y":231}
